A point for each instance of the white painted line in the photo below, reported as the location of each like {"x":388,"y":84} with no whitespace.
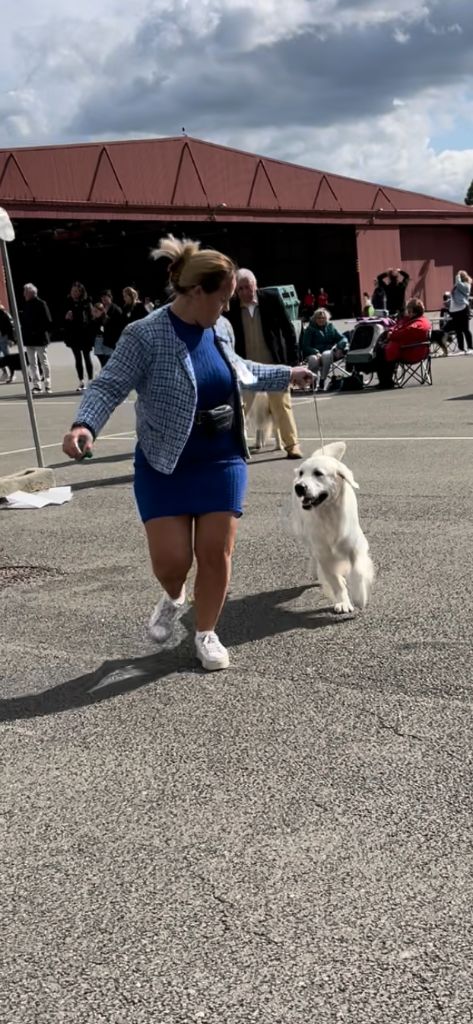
{"x":126,"y":436}
{"x":346,"y":437}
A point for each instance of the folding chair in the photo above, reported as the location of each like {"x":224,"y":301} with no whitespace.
{"x":420,"y":372}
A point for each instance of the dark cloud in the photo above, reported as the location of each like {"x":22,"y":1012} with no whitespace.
{"x":167,"y":78}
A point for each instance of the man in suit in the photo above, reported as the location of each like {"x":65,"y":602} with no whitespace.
{"x":264,"y":333}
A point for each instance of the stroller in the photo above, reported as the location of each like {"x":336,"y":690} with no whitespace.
{"x":361,"y":356}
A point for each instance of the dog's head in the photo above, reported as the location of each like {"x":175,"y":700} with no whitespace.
{"x":322,"y":476}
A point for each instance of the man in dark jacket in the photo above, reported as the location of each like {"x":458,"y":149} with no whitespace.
{"x":265,"y":334}
{"x":395,"y":283}
{"x":35,"y":325}
{"x":113,"y":323}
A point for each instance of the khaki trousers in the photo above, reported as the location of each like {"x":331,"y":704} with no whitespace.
{"x":280,"y":407}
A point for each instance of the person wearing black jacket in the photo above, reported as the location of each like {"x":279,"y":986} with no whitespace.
{"x":36,"y":322}
{"x":264,"y":333}
{"x":113,"y":322}
{"x":395,"y":284}
{"x":133,"y":308}
{"x":77,"y":332}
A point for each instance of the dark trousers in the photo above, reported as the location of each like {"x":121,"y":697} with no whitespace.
{"x":82,"y":357}
{"x":461,"y":326}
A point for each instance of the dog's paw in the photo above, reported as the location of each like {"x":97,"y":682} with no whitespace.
{"x":343,"y":607}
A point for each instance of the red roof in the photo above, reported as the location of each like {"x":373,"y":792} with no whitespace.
{"x":190,"y":179}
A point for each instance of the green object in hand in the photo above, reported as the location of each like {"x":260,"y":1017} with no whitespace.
{"x":81,"y":443}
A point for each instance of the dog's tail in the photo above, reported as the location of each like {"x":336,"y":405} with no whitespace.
{"x":361,"y":578}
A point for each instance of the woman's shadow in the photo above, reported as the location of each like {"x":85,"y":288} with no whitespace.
{"x":246,"y":619}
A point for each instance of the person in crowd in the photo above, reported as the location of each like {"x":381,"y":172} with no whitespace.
{"x":460,"y":311}
{"x":97,"y":329}
{"x":395,"y":284}
{"x":322,"y":298}
{"x":378,"y":297}
{"x":308,"y":304}
{"x":36,"y":321}
{"x":133,"y":309}
{"x":367,"y":308}
{"x":113,"y":323}
{"x":321,"y":343}
{"x":190,"y":461}
{"x":264,"y":333}
{"x":439,"y":335}
{"x":77,"y":332}
{"x":7,"y":338}
{"x":149,"y":305}
{"x":413,"y":330}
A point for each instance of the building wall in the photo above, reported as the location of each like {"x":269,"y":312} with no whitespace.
{"x":378,"y":249}
{"x":431,"y":256}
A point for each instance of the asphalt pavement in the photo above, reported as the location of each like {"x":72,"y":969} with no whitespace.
{"x":287,"y":842}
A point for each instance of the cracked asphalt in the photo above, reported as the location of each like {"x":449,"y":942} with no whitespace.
{"x":288,"y":842}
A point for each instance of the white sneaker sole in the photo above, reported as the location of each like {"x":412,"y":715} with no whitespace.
{"x":211,"y":665}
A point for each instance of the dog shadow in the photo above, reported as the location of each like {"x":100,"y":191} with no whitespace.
{"x":245,"y":620}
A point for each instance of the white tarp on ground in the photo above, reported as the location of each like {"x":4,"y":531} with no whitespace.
{"x":38,"y":499}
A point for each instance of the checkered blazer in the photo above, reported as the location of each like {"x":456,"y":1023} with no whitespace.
{"x":153,"y":361}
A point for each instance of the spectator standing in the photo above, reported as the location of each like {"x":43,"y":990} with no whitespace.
{"x":7,"y":337}
{"x":36,"y":322}
{"x":322,"y":298}
{"x":395,"y":284}
{"x":101,"y":351}
{"x":308,"y":304}
{"x":133,"y":309}
{"x":265,"y":334}
{"x":113,"y":323}
{"x":77,"y":330}
{"x":460,"y":311}
{"x":367,"y":308}
{"x":378,"y":297}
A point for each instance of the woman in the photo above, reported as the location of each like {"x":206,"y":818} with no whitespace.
{"x":77,"y":332}
{"x":460,"y":311}
{"x":407,"y":340}
{"x":190,"y":471}
{"x":133,"y":309}
{"x":319,"y":340}
{"x":97,"y":328}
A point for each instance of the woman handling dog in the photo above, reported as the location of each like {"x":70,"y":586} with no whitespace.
{"x":190,"y":468}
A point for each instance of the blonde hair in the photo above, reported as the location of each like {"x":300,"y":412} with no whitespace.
{"x":191,"y":266}
{"x":131,"y":294}
{"x":326,"y":313}
{"x":464,"y":276}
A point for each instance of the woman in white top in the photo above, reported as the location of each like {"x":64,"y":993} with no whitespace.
{"x":460,"y":310}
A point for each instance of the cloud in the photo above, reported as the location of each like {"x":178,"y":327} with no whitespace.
{"x":357,"y":85}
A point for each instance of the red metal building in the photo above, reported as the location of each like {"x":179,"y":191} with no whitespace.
{"x":75,"y":206}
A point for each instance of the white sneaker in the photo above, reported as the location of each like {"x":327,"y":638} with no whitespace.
{"x":165,"y":617}
{"x":49,"y":389}
{"x":80,"y":388}
{"x":210,"y":652}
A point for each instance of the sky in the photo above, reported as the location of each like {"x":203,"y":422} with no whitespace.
{"x":365,"y":88}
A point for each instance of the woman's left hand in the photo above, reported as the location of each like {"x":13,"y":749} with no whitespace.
{"x":302,"y":377}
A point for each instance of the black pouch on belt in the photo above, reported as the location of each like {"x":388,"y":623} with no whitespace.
{"x":215,"y":421}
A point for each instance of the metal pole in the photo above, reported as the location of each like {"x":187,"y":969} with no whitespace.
{"x":21,"y":350}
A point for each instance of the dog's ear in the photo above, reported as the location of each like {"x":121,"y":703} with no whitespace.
{"x":335,"y":450}
{"x":347,"y":475}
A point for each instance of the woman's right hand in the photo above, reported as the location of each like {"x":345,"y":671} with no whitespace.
{"x":77,"y":442}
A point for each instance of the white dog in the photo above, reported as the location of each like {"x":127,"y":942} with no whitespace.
{"x":325,"y":515}
{"x":259,"y":414}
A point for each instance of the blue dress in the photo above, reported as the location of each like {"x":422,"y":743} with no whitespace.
{"x":211,"y":474}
